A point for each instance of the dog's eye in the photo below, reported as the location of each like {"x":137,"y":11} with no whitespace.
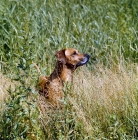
{"x":74,"y":53}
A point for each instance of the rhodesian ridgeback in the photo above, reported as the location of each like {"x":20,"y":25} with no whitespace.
{"x":51,"y":88}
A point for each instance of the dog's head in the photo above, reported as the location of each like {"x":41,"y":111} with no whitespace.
{"x":72,"y":57}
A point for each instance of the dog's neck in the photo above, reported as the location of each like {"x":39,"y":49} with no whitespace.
{"x":63,"y":72}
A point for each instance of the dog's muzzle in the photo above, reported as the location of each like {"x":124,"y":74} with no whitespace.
{"x":84,"y":61}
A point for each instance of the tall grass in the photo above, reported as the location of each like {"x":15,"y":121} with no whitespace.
{"x":104,"y":100}
{"x":103,"y":105}
{"x":104,"y":28}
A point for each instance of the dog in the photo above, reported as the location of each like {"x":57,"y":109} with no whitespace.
{"x":51,"y":88}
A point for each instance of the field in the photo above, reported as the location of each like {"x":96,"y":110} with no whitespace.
{"x":104,"y":104}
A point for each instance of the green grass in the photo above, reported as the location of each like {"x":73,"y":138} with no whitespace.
{"x":105,"y":107}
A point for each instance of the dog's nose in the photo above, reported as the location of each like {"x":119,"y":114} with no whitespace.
{"x":87,"y":55}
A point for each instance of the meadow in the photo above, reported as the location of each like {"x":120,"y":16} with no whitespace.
{"x":104,"y":104}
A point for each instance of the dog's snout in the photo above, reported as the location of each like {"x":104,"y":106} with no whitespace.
{"x":84,"y":60}
{"x":87,"y":55}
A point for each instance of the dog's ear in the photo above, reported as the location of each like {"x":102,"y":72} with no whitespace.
{"x":61,"y":56}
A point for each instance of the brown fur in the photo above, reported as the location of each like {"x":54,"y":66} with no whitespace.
{"x":51,"y":87}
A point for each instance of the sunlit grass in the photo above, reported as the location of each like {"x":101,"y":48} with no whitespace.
{"x":103,"y":104}
{"x":106,"y":102}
